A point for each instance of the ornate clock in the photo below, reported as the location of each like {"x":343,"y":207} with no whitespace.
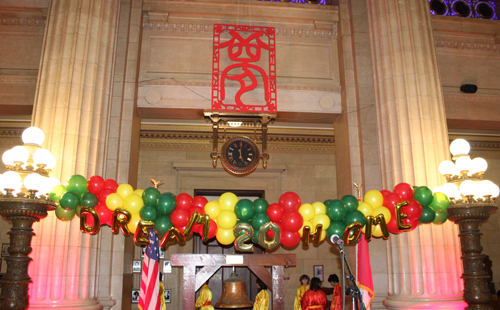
{"x":240,"y":156}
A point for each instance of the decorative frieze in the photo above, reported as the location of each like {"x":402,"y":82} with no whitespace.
{"x":23,"y":22}
{"x":467,"y":45}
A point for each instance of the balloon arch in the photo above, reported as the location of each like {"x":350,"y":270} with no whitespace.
{"x":231,"y":220}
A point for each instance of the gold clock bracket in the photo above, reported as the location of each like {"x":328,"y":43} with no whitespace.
{"x":238,"y":122}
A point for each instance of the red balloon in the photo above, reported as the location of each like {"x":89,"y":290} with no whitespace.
{"x":290,"y":201}
{"x":292,"y":221}
{"x":404,"y":190}
{"x":104,"y":194}
{"x":412,"y":222}
{"x":184,"y":201}
{"x":111,"y":185}
{"x":199,"y":201}
{"x":196,"y":228}
{"x":290,"y":238}
{"x":275,"y":212}
{"x":182,"y":229}
{"x":270,"y":233}
{"x":385,"y":192}
{"x":200,"y":210}
{"x":180,"y":217}
{"x":95,"y":185}
{"x":413,"y":209}
{"x":393,"y":226}
{"x":212,"y":229}
{"x":105,"y":214}
{"x":389,"y":202}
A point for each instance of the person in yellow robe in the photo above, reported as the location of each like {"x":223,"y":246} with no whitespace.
{"x":262,"y":298}
{"x":204,"y":301}
{"x":304,"y":286}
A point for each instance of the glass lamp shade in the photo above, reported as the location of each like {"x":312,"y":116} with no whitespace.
{"x":438,"y":189}
{"x":459,"y":147}
{"x":463,"y":163}
{"x":451,"y":190}
{"x":48,"y":185}
{"x":487,"y":188}
{"x":43,"y":156}
{"x":34,"y":181}
{"x":12,"y":180}
{"x":479,"y":165}
{"x":468,"y":188}
{"x":446,"y":167}
{"x":21,"y":153}
{"x":33,"y":135}
{"x":8,"y":158}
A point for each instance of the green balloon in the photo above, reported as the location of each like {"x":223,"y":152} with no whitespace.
{"x":166,"y":203}
{"x":440,"y":202}
{"x":260,"y":205}
{"x":423,"y":194}
{"x":150,"y":196}
{"x":351,"y":202}
{"x":78,"y":184}
{"x":69,"y":200}
{"x":89,"y":200}
{"x":244,"y":209}
{"x":441,"y":217}
{"x":162,"y":225}
{"x":427,"y":216}
{"x":355,"y":216}
{"x":335,"y":228}
{"x":327,"y":201}
{"x":255,"y":237}
{"x":78,"y":210}
{"x":336,"y":210}
{"x":258,"y":220}
{"x":148,"y":213}
{"x":57,"y":192}
{"x":65,"y":215}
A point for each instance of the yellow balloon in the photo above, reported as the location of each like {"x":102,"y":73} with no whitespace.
{"x":322,"y":219}
{"x":134,"y":222}
{"x":323,"y":235}
{"x":365,"y":208}
{"x":377,"y":231}
{"x":139,"y":192}
{"x":133,"y":203}
{"x":384,"y":211}
{"x":225,"y":236}
{"x":306,"y":223}
{"x":226,"y":219}
{"x":114,"y":201}
{"x":124,"y":190}
{"x":227,"y":201}
{"x":307,"y":211}
{"x":319,"y":208}
{"x":212,"y":208}
{"x":374,"y":198}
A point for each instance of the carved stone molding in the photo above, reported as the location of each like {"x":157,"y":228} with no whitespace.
{"x":17,"y":79}
{"x":475,"y":97}
{"x":467,"y":45}
{"x":190,"y":83}
{"x":23,"y":22}
{"x":161,"y":25}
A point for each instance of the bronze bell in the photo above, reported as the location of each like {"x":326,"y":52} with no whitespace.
{"x":233,"y":294}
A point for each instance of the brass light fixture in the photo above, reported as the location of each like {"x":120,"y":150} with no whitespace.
{"x":471,"y":200}
{"x":24,"y":199}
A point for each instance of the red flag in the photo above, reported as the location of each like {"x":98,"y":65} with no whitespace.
{"x":149,"y":295}
{"x":364,"y":272}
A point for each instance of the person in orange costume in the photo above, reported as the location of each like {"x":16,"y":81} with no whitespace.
{"x":314,"y":298}
{"x":337,"y":292}
{"x":262,"y":298}
{"x":304,"y":281}
{"x":204,"y":301}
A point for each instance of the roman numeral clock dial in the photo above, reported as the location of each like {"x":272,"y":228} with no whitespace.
{"x":240,"y":156}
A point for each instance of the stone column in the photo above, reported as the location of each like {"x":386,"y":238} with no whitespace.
{"x":423,"y":265}
{"x":72,"y":107}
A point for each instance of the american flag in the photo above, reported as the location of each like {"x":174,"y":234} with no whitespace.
{"x":149,"y":295}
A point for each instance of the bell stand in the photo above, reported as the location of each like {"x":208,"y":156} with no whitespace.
{"x":212,"y":262}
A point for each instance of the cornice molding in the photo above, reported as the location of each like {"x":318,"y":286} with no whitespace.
{"x":163,"y":25}
{"x":23,"y":22}
{"x":475,"y":97}
{"x":17,"y":79}
{"x":302,"y":87}
{"x":467,"y":45}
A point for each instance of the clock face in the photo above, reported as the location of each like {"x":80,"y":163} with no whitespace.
{"x":240,"y":156}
